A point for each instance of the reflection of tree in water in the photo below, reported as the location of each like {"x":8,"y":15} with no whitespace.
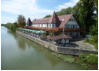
{"x":21,"y":42}
{"x":47,"y":53}
{"x":12,"y":33}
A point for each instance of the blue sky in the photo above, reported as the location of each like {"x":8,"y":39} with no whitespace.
{"x":10,"y":9}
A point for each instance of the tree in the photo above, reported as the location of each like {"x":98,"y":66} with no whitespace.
{"x":86,"y":14}
{"x":21,"y":21}
{"x":47,"y":16}
{"x":96,"y":6}
{"x":64,"y":11}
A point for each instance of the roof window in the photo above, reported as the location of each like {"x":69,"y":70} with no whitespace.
{"x":62,"y":19}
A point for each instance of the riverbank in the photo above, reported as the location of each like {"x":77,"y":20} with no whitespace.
{"x":79,"y":60}
{"x":59,"y":49}
{"x":67,"y":58}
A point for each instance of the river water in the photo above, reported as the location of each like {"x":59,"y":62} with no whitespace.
{"x":18,"y":52}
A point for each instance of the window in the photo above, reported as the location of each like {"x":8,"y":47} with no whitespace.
{"x":62,"y":19}
{"x":67,"y":41}
{"x":72,"y":26}
{"x":71,"y":19}
{"x":77,"y":26}
{"x":54,"y":25}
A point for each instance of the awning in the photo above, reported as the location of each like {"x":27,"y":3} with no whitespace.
{"x":34,"y":31}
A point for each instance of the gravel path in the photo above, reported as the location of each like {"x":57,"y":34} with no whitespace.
{"x":85,"y":46}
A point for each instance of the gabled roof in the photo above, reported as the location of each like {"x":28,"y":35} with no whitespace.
{"x":41,"y":21}
{"x":66,"y":19}
{"x":62,"y":20}
{"x":29,"y":22}
{"x":54,"y":19}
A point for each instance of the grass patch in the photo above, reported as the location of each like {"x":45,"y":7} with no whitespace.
{"x":64,"y":57}
{"x":93,"y":40}
{"x":89,"y":58}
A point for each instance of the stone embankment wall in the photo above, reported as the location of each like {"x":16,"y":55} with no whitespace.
{"x":73,"y":51}
{"x":55,"y":48}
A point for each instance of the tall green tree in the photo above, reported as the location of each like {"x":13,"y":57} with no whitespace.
{"x":94,"y":28}
{"x":21,"y":21}
{"x":65,"y":11}
{"x":86,"y":14}
{"x":47,"y":16}
{"x":96,"y":6}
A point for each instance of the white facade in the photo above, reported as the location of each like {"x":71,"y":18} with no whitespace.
{"x":72,"y":24}
{"x":50,"y":25}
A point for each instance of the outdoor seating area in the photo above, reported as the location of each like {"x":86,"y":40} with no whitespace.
{"x":60,"y":40}
{"x":34,"y":33}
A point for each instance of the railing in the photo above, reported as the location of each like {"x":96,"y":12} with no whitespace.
{"x":42,"y":28}
{"x":55,"y":29}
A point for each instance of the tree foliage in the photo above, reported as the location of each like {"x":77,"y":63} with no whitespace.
{"x":83,"y":11}
{"x":87,"y":13}
{"x":11,"y":26}
{"x":64,"y":11}
{"x":21,"y":21}
{"x":47,"y":16}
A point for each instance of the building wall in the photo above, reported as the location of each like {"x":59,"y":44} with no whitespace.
{"x":48,"y":25}
{"x":72,"y":23}
{"x":73,"y":34}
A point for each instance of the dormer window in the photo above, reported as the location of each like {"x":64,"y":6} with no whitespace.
{"x":71,"y":19}
{"x":62,"y":19}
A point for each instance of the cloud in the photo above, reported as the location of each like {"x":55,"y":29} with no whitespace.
{"x":6,"y":19}
{"x":28,"y":8}
{"x":71,"y":3}
{"x":22,"y":7}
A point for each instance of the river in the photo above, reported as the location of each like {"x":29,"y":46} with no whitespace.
{"x":18,"y":52}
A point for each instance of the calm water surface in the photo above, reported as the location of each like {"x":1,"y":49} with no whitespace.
{"x":20,"y":53}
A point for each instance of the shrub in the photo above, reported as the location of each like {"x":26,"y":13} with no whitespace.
{"x":93,"y":40}
{"x":89,"y":58}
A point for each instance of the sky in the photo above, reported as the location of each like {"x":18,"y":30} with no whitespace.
{"x":35,"y":9}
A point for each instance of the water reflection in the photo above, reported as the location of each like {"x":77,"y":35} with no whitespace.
{"x":21,"y":53}
{"x":23,"y":43}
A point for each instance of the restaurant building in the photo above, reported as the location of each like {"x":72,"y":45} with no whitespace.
{"x":63,"y":27}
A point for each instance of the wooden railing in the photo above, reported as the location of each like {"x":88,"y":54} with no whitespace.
{"x":42,"y":28}
{"x":54,"y":29}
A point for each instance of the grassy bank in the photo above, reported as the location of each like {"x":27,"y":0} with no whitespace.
{"x":87,"y":60}
{"x":93,"y":40}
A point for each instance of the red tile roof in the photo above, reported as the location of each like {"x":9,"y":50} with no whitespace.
{"x":66,"y":19}
{"x":54,"y":19}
